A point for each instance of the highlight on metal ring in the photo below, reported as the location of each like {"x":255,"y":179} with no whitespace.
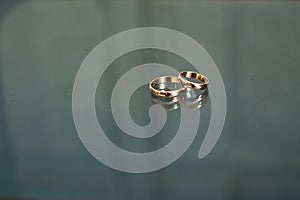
{"x":166,"y":86}
{"x":186,"y":76}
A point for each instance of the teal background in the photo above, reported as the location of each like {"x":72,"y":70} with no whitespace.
{"x":254,"y":44}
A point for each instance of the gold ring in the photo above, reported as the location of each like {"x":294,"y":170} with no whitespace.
{"x":185,"y":75}
{"x":159,"y":86}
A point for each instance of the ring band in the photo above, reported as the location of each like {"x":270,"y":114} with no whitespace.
{"x":193,"y":75}
{"x":158,"y":86}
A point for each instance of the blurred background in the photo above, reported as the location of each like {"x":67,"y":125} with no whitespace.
{"x":256,"y":47}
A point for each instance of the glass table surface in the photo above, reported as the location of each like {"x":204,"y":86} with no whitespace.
{"x":255,"y":46}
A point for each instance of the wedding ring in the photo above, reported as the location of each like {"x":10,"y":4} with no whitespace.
{"x":161,"y":86}
{"x":185,"y":75}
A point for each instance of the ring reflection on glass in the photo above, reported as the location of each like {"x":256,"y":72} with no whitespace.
{"x":198,"y":81}
{"x":166,"y":86}
{"x":190,"y":99}
{"x":169,"y":104}
{"x":194,"y":100}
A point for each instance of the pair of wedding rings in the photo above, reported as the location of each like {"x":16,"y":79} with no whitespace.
{"x":186,"y":80}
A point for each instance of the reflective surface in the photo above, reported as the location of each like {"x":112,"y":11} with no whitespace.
{"x":256,"y":47}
